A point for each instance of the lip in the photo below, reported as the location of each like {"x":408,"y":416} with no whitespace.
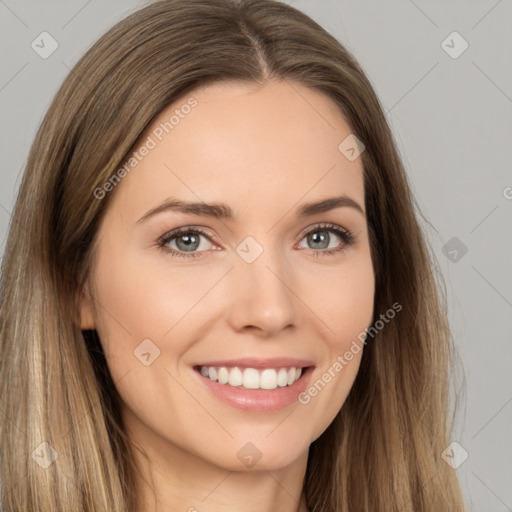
{"x":257,"y":400}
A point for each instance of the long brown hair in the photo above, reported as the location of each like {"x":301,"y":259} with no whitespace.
{"x":383,"y":450}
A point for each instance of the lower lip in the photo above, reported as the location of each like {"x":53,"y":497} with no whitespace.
{"x":258,"y":400}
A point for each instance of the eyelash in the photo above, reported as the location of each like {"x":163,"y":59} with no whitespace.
{"x":347,"y":237}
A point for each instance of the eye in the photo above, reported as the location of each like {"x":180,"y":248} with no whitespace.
{"x":186,"y":242}
{"x":319,"y":239}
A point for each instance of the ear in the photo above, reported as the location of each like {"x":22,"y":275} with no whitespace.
{"x":86,"y":310}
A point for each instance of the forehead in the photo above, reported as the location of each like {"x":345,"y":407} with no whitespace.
{"x":254,"y":147}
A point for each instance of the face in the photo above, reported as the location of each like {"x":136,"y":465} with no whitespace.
{"x":207,"y":313}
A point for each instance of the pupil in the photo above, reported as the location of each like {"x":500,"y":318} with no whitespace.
{"x":189,"y":241}
{"x":323,"y":239}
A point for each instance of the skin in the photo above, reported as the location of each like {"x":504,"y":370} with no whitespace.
{"x":264,"y":151}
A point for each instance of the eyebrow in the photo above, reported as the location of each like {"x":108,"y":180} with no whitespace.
{"x":223,"y":211}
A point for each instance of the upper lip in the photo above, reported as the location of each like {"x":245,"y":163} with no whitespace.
{"x":256,"y":362}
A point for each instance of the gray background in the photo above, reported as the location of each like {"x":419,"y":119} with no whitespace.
{"x":452,"y":121}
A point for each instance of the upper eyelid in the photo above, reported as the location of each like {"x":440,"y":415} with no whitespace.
{"x":174,"y":233}
{"x":324,"y":225}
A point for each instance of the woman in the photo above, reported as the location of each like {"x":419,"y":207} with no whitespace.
{"x":215,"y":291}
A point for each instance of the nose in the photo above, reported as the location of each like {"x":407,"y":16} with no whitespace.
{"x":261,"y":295}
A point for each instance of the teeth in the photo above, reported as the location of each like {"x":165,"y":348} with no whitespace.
{"x":235,"y":377}
{"x":282,"y":378}
{"x":251,"y":378}
{"x":268,"y":379}
{"x":223,"y":375}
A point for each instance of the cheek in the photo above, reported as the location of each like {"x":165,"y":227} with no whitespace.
{"x":138,"y":300}
{"x":346,"y":310}
{"x":143,"y":309}
{"x":343,"y":298}
{"x":141,"y":299}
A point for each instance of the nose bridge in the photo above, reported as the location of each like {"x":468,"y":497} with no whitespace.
{"x":262,"y":287}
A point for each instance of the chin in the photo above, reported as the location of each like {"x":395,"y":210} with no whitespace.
{"x":260,"y":452}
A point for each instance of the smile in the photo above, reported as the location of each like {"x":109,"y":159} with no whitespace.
{"x":252,"y":378}
{"x":254,"y":384}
